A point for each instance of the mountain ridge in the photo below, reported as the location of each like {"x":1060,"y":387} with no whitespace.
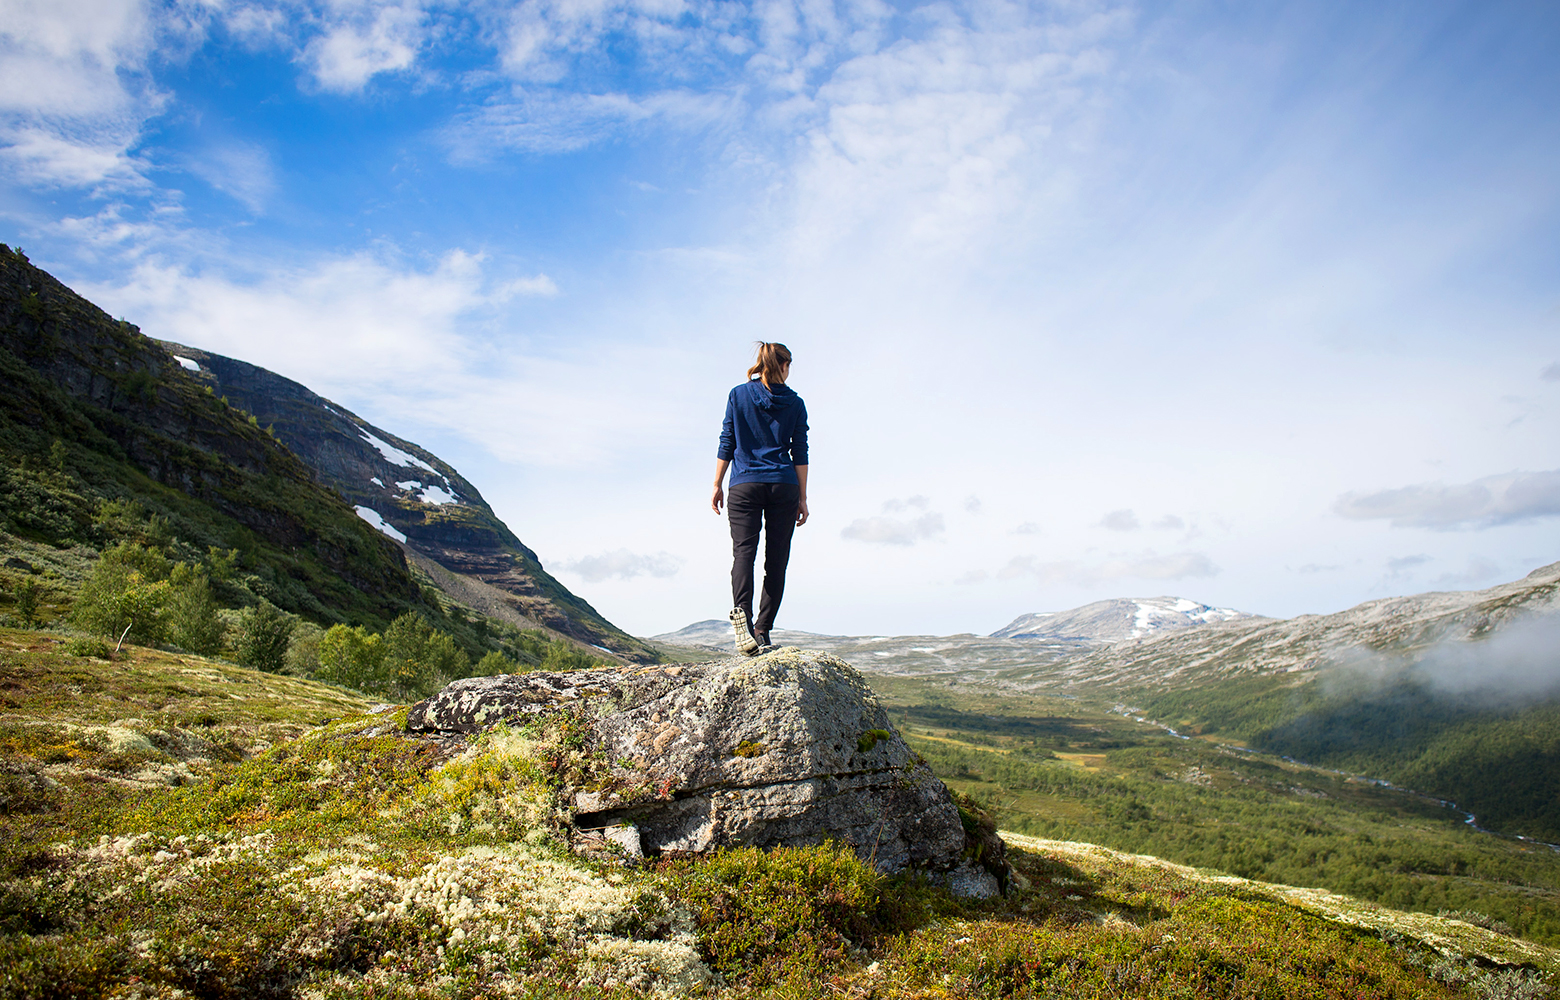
{"x":414,"y":497}
{"x":1118,"y":619}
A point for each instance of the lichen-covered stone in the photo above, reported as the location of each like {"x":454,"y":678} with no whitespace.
{"x":783,"y":749}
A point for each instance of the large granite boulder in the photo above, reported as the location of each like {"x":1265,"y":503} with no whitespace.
{"x":784,"y":749}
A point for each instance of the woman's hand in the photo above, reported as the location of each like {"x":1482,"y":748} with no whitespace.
{"x":719,"y":496}
{"x":801,"y":512}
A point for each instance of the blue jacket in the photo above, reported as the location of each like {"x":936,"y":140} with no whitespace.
{"x":764,"y":435}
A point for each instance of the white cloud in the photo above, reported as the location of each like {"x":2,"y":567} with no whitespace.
{"x":623,"y":565}
{"x":64,"y":58}
{"x":1398,"y":565}
{"x":1027,"y":528}
{"x":1551,"y":373}
{"x":1148,"y":566}
{"x":363,"y":39}
{"x":972,"y":504}
{"x":1514,"y":664}
{"x":894,"y":531}
{"x":1494,"y":500}
{"x":539,"y":284}
{"x":1169,"y":523}
{"x":1120,"y":520}
{"x":409,"y":344}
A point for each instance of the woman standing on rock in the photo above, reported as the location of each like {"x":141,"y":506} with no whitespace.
{"x":765,"y":437}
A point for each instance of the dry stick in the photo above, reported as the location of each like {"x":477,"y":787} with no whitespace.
{"x":122,"y":635}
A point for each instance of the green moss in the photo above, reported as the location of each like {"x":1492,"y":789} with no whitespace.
{"x":869,"y":739}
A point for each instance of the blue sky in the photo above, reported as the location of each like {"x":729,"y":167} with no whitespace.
{"x":1255,"y":304}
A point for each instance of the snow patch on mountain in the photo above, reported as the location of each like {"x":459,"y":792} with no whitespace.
{"x":371,"y":515}
{"x":394,"y":455}
{"x":437,"y":495}
{"x":1118,"y":620}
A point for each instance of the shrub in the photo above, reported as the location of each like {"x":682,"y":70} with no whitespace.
{"x":562,"y":656}
{"x":193,"y":623}
{"x":790,"y":911}
{"x":418,"y":659}
{"x":303,"y":650}
{"x":353,"y":657}
{"x":126,"y":595}
{"x":87,"y":646}
{"x":27,"y":602}
{"x":494,"y":663}
{"x":262,"y":637}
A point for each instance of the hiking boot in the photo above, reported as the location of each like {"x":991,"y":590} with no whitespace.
{"x":746,"y":644}
{"x":762,"y":638}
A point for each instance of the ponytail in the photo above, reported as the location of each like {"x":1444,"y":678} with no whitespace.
{"x":772,"y":358}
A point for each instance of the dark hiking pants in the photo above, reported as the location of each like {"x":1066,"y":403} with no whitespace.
{"x":771,"y":506}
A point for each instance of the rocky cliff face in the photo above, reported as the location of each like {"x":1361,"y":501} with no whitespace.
{"x":413,"y":496}
{"x":785,"y":749}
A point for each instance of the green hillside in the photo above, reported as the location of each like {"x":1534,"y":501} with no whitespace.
{"x":175,"y":826}
{"x":1501,"y":763}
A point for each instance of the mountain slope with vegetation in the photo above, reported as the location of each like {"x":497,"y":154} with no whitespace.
{"x":104,"y":438}
{"x":421,"y":499}
{"x":139,"y":506}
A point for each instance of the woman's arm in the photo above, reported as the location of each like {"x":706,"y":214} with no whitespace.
{"x":801,"y":503}
{"x":720,"y":477}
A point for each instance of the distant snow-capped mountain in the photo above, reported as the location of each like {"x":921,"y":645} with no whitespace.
{"x":1117,"y":620}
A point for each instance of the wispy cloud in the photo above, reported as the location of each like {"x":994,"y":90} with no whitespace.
{"x":1147,"y":566}
{"x":623,"y":565}
{"x":893,"y":530}
{"x":1477,"y":570}
{"x":75,"y":90}
{"x":562,"y":122}
{"x":241,"y":170}
{"x":1027,"y":528}
{"x":1399,"y":565}
{"x":1169,"y":523}
{"x":1515,"y":664}
{"x":1551,"y":373}
{"x":1494,"y":500}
